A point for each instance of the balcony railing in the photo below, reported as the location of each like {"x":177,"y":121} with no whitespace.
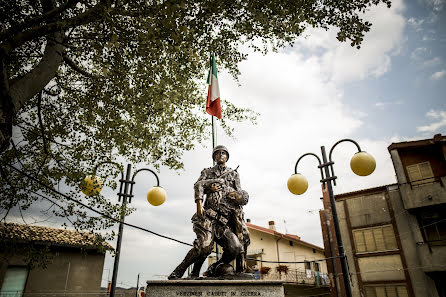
{"x":299,"y":277}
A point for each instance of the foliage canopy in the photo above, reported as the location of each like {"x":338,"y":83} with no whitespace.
{"x":87,"y":81}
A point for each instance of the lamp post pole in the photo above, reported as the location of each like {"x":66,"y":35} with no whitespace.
{"x":328,"y":179}
{"x":156,"y":196}
{"x":124,"y":195}
{"x":362,"y":164}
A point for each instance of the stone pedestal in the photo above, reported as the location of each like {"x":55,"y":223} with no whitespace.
{"x":214,"y":288}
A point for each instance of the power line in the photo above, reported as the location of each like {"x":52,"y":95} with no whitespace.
{"x":298,"y":262}
{"x":91,"y":208}
{"x":135,"y":226}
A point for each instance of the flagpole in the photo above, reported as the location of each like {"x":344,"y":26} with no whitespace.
{"x":214,"y":133}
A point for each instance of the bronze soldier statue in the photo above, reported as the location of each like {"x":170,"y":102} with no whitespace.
{"x":219,"y":219}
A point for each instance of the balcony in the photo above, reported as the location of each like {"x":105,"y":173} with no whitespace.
{"x":309,"y":278}
{"x":423,"y":193}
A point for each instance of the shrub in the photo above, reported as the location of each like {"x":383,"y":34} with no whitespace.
{"x":265,"y":270}
{"x":282,"y":268}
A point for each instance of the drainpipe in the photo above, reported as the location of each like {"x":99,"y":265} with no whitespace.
{"x":68,"y":273}
{"x":277,"y":247}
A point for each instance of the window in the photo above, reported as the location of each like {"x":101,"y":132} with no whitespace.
{"x":386,"y":291}
{"x":433,"y":224}
{"x":376,"y":239}
{"x":316,"y":266}
{"x":307,"y":265}
{"x":14,"y":281}
{"x":291,"y":243}
{"x":420,"y":173}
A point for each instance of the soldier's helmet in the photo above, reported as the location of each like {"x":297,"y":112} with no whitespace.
{"x":219,"y":148}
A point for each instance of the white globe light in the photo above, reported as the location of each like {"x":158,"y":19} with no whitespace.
{"x":297,"y":184}
{"x":91,"y":185}
{"x":156,"y":196}
{"x":363,"y":164}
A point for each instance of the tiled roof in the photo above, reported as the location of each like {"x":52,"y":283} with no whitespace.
{"x":292,"y":237}
{"x":49,"y":236}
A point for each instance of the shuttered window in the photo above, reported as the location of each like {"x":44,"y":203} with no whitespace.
{"x":375,"y":239}
{"x":420,"y":173}
{"x":386,"y":291}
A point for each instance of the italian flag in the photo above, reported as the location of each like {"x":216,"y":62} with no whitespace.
{"x":213,"y":101}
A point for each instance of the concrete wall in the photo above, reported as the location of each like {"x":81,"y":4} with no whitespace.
{"x":363,"y":211}
{"x":368,"y":210}
{"x":70,"y":270}
{"x":343,"y":226}
{"x":424,"y":195}
{"x":420,"y":258}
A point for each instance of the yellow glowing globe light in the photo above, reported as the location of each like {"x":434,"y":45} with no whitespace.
{"x":363,"y":164}
{"x":297,"y":184}
{"x":91,"y":185}
{"x":156,"y":196}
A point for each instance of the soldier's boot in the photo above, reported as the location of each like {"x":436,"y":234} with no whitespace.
{"x":190,"y":258}
{"x":239,"y":263}
{"x":197,"y":267}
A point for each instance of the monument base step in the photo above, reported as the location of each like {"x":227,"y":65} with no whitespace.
{"x":214,"y":288}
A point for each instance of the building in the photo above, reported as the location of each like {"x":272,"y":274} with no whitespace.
{"x":394,"y":236}
{"x":74,"y":261}
{"x":270,"y":249}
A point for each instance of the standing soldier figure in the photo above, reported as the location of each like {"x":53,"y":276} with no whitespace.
{"x":219,"y":219}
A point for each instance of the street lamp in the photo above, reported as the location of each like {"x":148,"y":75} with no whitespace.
{"x":92,"y":185}
{"x":362,"y":164}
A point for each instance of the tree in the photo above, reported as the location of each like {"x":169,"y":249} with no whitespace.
{"x":86,"y":81}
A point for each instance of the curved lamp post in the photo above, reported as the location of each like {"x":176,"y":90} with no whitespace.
{"x":92,"y":185}
{"x":362,"y":164}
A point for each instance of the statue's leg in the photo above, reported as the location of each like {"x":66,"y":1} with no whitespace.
{"x":231,"y":246}
{"x":203,"y":244}
{"x":231,"y":249}
{"x":197,"y":266}
{"x":190,"y":258}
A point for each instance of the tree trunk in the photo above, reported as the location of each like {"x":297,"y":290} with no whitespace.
{"x":14,"y":96}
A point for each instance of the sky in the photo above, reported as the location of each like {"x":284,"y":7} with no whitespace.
{"x":310,"y":95}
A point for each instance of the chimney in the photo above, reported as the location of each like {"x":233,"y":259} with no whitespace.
{"x":248,"y":220}
{"x":271,"y":225}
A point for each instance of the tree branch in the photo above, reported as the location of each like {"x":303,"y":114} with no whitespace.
{"x":13,"y":41}
{"x":42,"y":130}
{"x":76,"y":67}
{"x":47,"y":16}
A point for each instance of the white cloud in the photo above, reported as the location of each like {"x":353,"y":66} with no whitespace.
{"x":344,"y":63}
{"x":439,"y":117}
{"x":436,"y":5}
{"x":432,"y":62}
{"x":419,"y":53}
{"x":437,"y":75}
{"x":383,"y":104}
{"x":416,"y":24}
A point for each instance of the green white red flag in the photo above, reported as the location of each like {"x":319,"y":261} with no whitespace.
{"x":213,"y":101}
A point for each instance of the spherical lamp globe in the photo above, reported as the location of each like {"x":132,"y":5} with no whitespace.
{"x":363,"y":164}
{"x":91,"y":185}
{"x":297,"y":184}
{"x":156,"y":196}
